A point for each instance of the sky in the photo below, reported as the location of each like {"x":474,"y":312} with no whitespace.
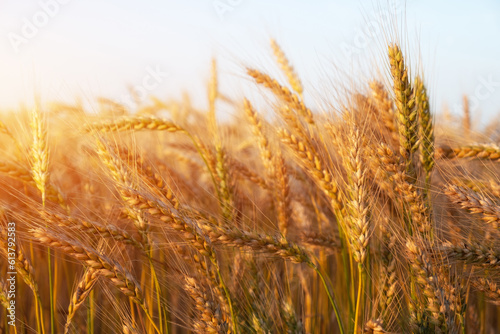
{"x":68,"y":49}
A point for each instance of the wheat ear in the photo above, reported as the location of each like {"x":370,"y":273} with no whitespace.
{"x":93,"y":228}
{"x":282,"y":194}
{"x":374,"y":327}
{"x":475,"y":203}
{"x":405,"y":103}
{"x":108,"y":268}
{"x":213,"y":93}
{"x":472,"y":253}
{"x":80,"y":293}
{"x":4,"y":299}
{"x":133,"y":123}
{"x":207,"y":270}
{"x":490,"y":289}
{"x":263,"y":142}
{"x":477,"y":151}
{"x":313,"y":166}
{"x":384,"y":105}
{"x":388,"y":272}
{"x":436,"y":302}
{"x":105,"y":267}
{"x":210,"y":315}
{"x":426,"y":129}
{"x":466,"y":117}
{"x":278,"y":246}
{"x":287,"y":68}
{"x":148,"y":174}
{"x":412,"y":198}
{"x":358,"y":205}
{"x":291,"y":99}
{"x":39,"y":153}
{"x":320,"y":240}
{"x":244,"y":172}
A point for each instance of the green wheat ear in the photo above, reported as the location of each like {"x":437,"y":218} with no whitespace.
{"x":426,"y":129}
{"x":405,"y":104}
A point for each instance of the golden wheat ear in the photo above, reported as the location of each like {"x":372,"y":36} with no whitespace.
{"x":39,"y":152}
{"x":80,"y":294}
{"x":210,"y":315}
{"x":405,"y":104}
{"x":287,"y":68}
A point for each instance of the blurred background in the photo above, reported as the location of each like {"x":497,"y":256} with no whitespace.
{"x":68,"y":49}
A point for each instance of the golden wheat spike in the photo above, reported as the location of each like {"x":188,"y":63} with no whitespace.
{"x":287,"y":68}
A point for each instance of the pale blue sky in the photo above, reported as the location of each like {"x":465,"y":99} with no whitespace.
{"x":96,"y":48}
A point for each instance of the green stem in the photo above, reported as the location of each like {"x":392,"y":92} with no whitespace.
{"x":150,"y":318}
{"x":154,"y":279}
{"x":361,"y":288}
{"x":330,"y":297}
{"x":90,"y":313}
{"x":39,"y":314}
{"x":228,"y":297}
{"x":51,"y":292}
{"x":51,"y":287}
{"x":346,"y":263}
{"x":462,"y":323}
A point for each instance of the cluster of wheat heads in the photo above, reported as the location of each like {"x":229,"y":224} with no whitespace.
{"x":366,"y":218}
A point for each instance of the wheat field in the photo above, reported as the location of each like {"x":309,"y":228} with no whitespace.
{"x":373,"y":216}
